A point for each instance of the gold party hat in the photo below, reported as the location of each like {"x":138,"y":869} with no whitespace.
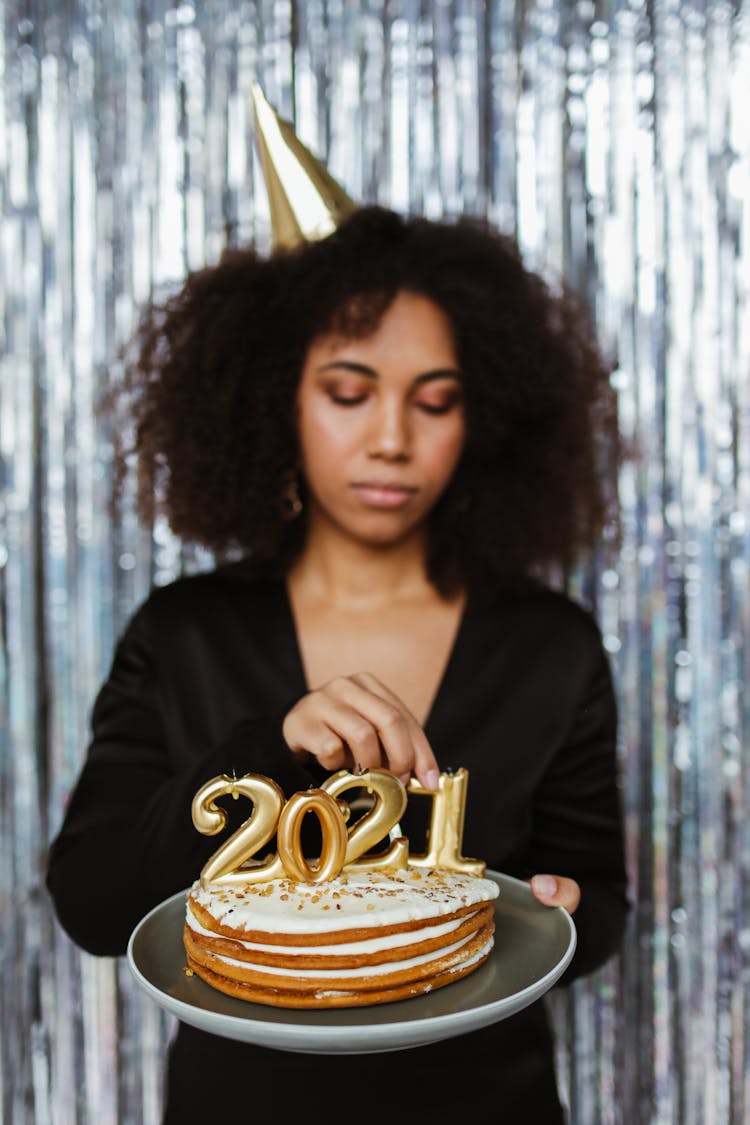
{"x":306,"y":202}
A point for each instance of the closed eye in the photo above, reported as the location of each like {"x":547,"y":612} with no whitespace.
{"x":347,"y":400}
{"x":437,"y":408}
{"x":439,"y":404}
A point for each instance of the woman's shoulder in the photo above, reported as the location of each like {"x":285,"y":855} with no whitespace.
{"x":545,"y":615}
{"x":563,"y":608}
{"x":221,"y":589}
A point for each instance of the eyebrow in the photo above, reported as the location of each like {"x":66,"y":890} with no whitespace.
{"x":371,"y":373}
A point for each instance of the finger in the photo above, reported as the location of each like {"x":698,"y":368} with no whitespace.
{"x":422,"y":761}
{"x":333,"y":730}
{"x":423,"y":764}
{"x":309,"y":735}
{"x":556,"y":890}
{"x":393,"y":724}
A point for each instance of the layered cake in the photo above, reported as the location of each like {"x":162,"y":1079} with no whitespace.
{"x":364,"y":937}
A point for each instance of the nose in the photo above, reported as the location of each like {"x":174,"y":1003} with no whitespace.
{"x":390,"y":432}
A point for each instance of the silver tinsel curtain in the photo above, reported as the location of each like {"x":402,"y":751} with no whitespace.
{"x":613,"y":138}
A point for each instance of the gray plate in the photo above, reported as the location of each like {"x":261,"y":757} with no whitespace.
{"x":533,"y":946}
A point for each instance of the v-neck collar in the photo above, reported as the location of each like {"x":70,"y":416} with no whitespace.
{"x":443,"y":691}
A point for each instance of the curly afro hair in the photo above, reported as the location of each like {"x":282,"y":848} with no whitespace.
{"x":212,"y":372}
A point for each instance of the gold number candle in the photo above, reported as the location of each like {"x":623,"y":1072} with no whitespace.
{"x":377,"y":823}
{"x":333,"y":831}
{"x":446,"y":825}
{"x":226,"y":864}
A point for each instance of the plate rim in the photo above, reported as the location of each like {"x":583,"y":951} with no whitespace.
{"x":289,"y":1036}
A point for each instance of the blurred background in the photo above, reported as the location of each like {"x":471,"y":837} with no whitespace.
{"x":613,"y":139}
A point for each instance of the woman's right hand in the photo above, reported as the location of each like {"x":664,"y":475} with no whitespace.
{"x":356,"y":722}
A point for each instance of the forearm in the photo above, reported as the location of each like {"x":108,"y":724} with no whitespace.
{"x":600,"y":925}
{"x":579,"y":827}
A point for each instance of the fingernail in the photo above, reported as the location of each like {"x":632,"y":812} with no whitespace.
{"x":432,"y":779}
{"x":545,"y":885}
{"x":405,"y":778}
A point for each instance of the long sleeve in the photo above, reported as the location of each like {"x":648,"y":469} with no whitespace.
{"x":528,"y":708}
{"x":127,"y":840}
{"x":578,"y":824}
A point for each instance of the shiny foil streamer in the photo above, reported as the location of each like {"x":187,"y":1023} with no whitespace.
{"x":614,"y":139}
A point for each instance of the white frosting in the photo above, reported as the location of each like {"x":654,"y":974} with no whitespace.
{"x":349,"y":901}
{"x":476,"y":957}
{"x":365,"y":970}
{"x":373,"y":945}
{"x":461,"y":966}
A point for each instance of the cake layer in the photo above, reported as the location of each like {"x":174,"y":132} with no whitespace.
{"x":336,"y":998}
{"x":284,"y":911}
{"x":365,"y":977}
{"x":362,"y":938}
{"x":377,"y":949}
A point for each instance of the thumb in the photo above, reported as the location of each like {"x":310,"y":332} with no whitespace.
{"x":554,"y":890}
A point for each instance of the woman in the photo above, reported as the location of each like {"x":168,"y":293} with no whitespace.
{"x":392,"y":433}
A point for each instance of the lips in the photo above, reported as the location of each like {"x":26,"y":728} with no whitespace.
{"x":383,"y":494}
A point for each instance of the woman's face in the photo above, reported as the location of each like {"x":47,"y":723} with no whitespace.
{"x":381,"y":422}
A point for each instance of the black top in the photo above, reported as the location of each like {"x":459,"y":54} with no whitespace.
{"x":200,"y":682}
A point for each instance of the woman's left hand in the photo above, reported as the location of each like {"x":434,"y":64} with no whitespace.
{"x":555,"y":890}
